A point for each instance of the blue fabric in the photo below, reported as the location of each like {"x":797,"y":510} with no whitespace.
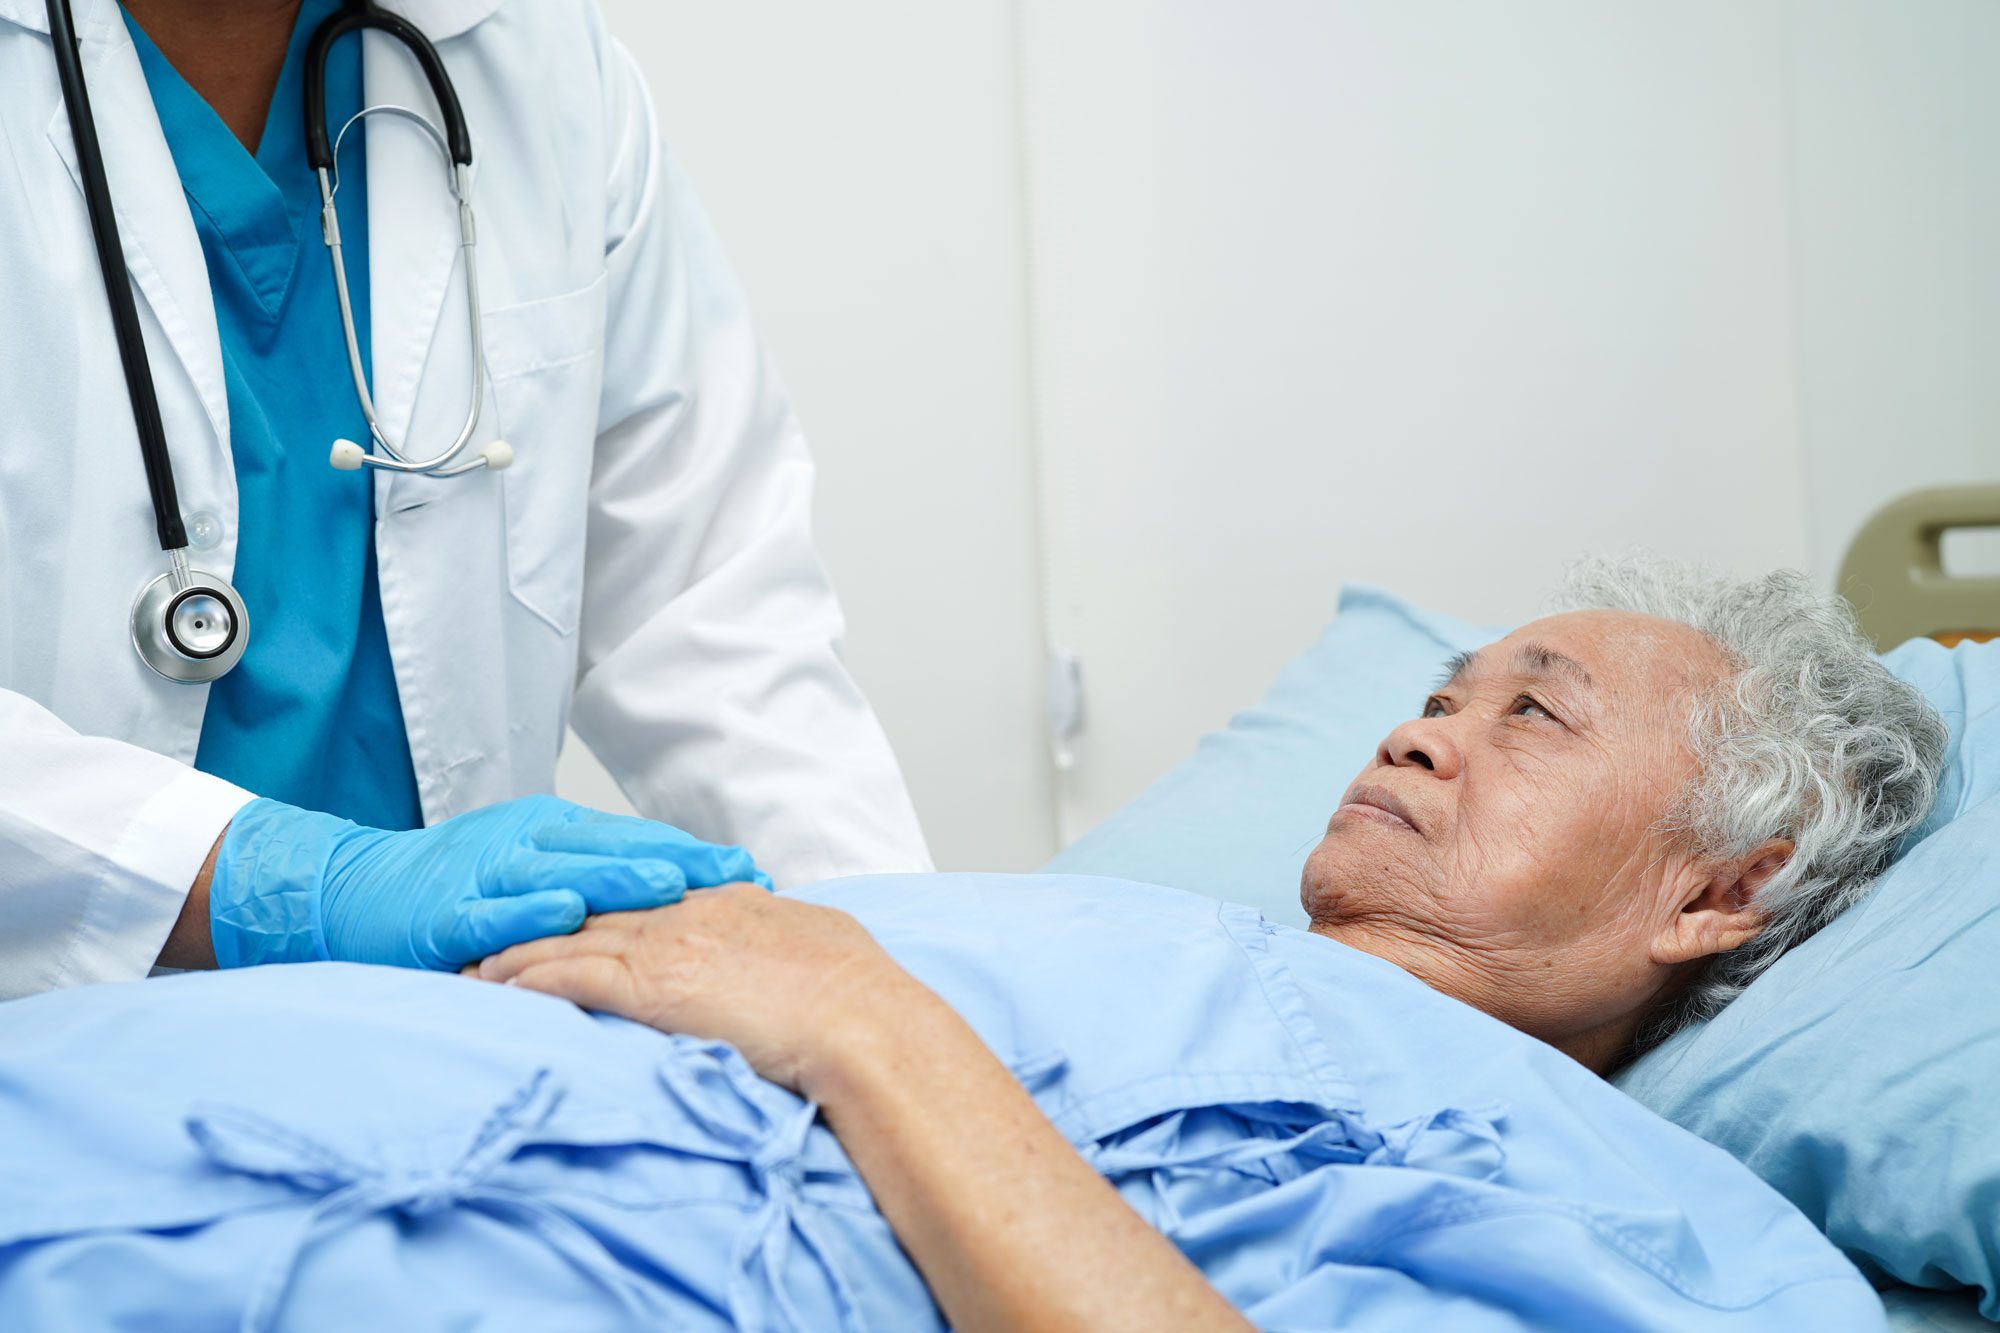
{"x":1859,"y":1083}
{"x":1963,"y":684}
{"x":310,"y":716}
{"x":1333,"y":1143}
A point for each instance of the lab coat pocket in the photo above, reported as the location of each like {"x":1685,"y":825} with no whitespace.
{"x":545,"y":361}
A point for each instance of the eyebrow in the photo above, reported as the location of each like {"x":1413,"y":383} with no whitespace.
{"x":1531,"y":659}
{"x":1455,"y":666}
{"x":1535,"y":659}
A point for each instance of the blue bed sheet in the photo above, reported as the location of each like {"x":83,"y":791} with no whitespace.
{"x":1334,"y":1144}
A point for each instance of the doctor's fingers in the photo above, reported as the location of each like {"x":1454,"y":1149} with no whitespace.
{"x":487,"y":926}
{"x":606,"y":883}
{"x":595,"y":833}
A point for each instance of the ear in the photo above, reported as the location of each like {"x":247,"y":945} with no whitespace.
{"x":1716,"y":913}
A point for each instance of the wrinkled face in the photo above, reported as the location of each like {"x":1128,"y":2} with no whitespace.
{"x":1511,"y":828}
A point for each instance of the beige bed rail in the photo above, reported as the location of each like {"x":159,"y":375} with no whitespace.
{"x":1895,"y":576}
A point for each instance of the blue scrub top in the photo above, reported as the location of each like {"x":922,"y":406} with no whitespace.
{"x":310,"y":716}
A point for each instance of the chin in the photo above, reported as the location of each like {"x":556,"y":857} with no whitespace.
{"x":1331,"y":881}
{"x":1352,"y":874}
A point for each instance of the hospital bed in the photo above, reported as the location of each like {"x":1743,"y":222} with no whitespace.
{"x":1896,"y":577}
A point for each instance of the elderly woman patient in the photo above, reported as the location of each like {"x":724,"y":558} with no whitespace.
{"x":1001,"y":1102}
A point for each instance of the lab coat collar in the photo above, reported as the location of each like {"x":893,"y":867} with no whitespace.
{"x":436,"y":19}
{"x":162,"y":251}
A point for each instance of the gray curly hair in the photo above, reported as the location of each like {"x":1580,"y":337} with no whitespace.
{"x":1811,"y":740}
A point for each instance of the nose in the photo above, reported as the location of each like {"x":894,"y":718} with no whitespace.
{"x":1423,"y":742}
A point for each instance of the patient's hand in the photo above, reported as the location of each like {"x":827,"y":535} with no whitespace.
{"x":785,"y":982}
{"x":1011,"y":1229}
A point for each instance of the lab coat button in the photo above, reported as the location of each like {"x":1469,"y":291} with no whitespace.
{"x":204,"y":530}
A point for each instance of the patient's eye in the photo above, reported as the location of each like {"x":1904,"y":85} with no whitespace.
{"x":1524,"y":704}
{"x":1433,"y":707}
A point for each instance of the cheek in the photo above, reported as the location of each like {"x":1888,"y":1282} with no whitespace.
{"x":1539,"y":840}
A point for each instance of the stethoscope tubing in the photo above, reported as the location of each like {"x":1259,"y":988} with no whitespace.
{"x":354,"y":16}
{"x":392,"y":458}
{"x":454,"y":142}
{"x":117,"y":287}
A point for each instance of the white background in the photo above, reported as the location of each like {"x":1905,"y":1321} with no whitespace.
{"x":861,"y":162}
{"x":1134,"y":327}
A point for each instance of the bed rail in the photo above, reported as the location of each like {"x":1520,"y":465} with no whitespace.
{"x":1894,"y":571}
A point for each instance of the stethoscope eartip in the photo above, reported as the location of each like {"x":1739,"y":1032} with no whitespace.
{"x":346,"y":456}
{"x":499,"y":455}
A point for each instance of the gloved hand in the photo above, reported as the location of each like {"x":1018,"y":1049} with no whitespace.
{"x":293,"y":885}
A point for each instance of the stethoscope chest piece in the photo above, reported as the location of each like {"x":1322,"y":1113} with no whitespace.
{"x":189,"y":625}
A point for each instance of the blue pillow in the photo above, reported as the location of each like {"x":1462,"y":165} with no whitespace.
{"x":1963,"y":684}
{"x":1238,"y":819}
{"x":1863,"y":1086}
{"x":1860,"y":1076}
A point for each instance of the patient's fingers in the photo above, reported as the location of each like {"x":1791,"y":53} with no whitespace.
{"x":512,"y":961}
{"x":591,"y":981}
{"x":600,"y":935}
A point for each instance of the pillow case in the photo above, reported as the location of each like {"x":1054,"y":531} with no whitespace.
{"x":1862,"y":1085}
{"x":1860,"y":1076}
{"x":1963,"y":684}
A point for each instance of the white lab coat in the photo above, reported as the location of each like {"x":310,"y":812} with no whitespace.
{"x":645,"y":570}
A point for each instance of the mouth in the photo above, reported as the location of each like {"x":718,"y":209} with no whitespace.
{"x":1372,"y":802}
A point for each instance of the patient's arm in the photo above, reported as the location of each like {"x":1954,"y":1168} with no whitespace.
{"x":1008,"y":1225}
{"x":1011,"y":1229}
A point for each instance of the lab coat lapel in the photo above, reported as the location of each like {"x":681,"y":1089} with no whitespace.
{"x":457,"y":722}
{"x":412,"y":267}
{"x":162,"y":252}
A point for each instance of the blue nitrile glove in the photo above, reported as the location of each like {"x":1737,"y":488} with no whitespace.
{"x":294,"y":886}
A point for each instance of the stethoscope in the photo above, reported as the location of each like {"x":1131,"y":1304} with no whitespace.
{"x":188,"y":624}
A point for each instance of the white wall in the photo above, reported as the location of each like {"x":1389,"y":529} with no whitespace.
{"x":1428,"y":293}
{"x":861,"y":162}
{"x":1896,"y":112}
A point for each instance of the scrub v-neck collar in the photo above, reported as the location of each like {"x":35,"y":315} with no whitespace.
{"x":247,"y":201}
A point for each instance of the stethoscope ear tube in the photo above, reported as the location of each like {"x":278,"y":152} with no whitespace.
{"x":454,"y":143}
{"x":117,"y":286}
{"x":353,"y":18}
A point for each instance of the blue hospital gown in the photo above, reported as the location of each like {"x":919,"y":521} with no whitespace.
{"x":1334,"y":1144}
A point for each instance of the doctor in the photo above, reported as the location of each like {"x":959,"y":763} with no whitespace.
{"x":635,"y":560}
